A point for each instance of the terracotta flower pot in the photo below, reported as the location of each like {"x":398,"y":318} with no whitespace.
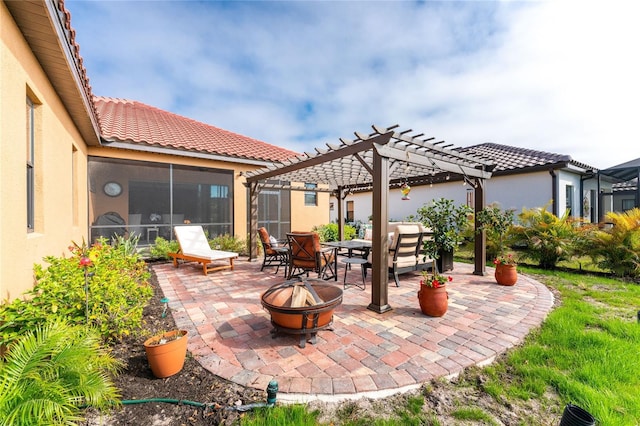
{"x":166,"y":359}
{"x":433,"y":301}
{"x":506,"y":274}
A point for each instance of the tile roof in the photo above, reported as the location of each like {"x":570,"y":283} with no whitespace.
{"x":134,"y":122}
{"x":70,"y":34}
{"x":511,"y":159}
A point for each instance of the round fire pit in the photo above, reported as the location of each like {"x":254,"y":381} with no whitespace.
{"x":303,"y":320}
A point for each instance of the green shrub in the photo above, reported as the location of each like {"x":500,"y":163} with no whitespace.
{"x":496,"y":223}
{"x":49,"y":372}
{"x":329,"y":232}
{"x":228,"y":242}
{"x":618,"y":249}
{"x":448,"y":224}
{"x":545,"y":237}
{"x":109,"y":293}
{"x":162,"y":248}
{"x":225,"y":242}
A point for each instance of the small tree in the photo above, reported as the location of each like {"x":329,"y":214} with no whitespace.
{"x":447,"y":222}
{"x":496,"y":223}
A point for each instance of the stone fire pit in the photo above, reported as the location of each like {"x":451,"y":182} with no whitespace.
{"x":313,"y":303}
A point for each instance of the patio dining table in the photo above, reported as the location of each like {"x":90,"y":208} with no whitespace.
{"x":362,"y":246}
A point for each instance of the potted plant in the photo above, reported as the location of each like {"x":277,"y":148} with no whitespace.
{"x":506,"y":272}
{"x":166,"y":352}
{"x":497,"y":224}
{"x":447,"y":223}
{"x":433,"y":296}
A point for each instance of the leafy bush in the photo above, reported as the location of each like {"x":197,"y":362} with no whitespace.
{"x":228,"y":242}
{"x":329,"y":232}
{"x":162,"y":248}
{"x":546,"y":238}
{"x":50,"y":371}
{"x":225,"y":242}
{"x":102,"y":285}
{"x":447,"y":222}
{"x":618,"y":249}
{"x":497,"y":224}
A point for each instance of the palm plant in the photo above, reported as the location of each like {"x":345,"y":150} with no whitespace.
{"x":49,"y":373}
{"x":618,"y":248}
{"x":546,"y":238}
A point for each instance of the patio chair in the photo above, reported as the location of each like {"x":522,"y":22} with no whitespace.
{"x":306,"y":255}
{"x":275,"y":252}
{"x":405,"y":251}
{"x":194,"y":247}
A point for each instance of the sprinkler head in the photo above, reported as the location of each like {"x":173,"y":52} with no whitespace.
{"x":165,"y":303}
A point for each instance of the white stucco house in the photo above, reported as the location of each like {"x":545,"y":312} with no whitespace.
{"x":522,"y":178}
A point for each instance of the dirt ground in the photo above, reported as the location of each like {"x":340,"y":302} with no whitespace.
{"x":222,"y":401}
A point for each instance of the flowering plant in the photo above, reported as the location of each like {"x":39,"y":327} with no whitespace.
{"x":434,"y":280}
{"x":505,"y":260}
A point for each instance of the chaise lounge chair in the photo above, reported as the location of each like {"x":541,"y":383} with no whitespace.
{"x":194,"y":247}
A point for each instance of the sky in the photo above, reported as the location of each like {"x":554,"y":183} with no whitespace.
{"x":555,"y":76}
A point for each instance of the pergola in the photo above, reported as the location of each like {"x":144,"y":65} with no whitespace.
{"x":383,"y":159}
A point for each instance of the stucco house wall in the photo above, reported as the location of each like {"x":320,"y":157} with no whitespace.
{"x":514,"y":191}
{"x":304,"y":218}
{"x":60,"y":166}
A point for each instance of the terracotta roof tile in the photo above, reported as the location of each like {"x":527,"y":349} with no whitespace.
{"x":511,"y":158}
{"x":131,"y":121}
{"x":65,"y":15}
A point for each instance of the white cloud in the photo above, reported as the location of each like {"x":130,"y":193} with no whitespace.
{"x":555,"y":76}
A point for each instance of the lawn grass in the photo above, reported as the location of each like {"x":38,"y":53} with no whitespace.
{"x":586,"y":352}
{"x":587,"y":349}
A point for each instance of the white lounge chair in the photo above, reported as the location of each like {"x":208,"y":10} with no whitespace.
{"x":194,"y":247}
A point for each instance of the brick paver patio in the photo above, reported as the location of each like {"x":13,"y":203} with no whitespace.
{"x":366,"y":354}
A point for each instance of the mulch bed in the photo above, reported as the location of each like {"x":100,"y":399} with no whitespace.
{"x":192,"y":384}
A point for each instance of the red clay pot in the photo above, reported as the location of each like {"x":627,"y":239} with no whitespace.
{"x":506,"y":274}
{"x":433,"y":301}
{"x":166,"y":359}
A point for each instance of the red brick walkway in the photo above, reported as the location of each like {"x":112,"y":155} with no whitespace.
{"x":366,"y":354}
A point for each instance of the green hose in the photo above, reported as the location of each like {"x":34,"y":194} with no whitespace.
{"x":241,"y":408}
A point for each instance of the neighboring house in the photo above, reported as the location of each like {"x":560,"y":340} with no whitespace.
{"x":73,"y":167}
{"x":522,"y":178}
{"x":626,"y":193}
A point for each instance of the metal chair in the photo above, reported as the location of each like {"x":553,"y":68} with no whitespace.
{"x":306,"y":255}
{"x":275,"y":252}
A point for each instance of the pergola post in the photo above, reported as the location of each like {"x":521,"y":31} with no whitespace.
{"x":340,"y":213}
{"x":480,"y":238}
{"x":380,"y":244}
{"x":253,"y":220}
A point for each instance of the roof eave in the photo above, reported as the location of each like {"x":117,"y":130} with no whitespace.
{"x":67,"y":80}
{"x":154,"y":149}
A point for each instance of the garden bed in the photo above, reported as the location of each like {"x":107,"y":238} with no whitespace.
{"x":193,"y":383}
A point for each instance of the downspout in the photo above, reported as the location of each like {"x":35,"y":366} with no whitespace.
{"x":638,"y":188}
{"x":598,"y":214}
{"x":554,"y":192}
